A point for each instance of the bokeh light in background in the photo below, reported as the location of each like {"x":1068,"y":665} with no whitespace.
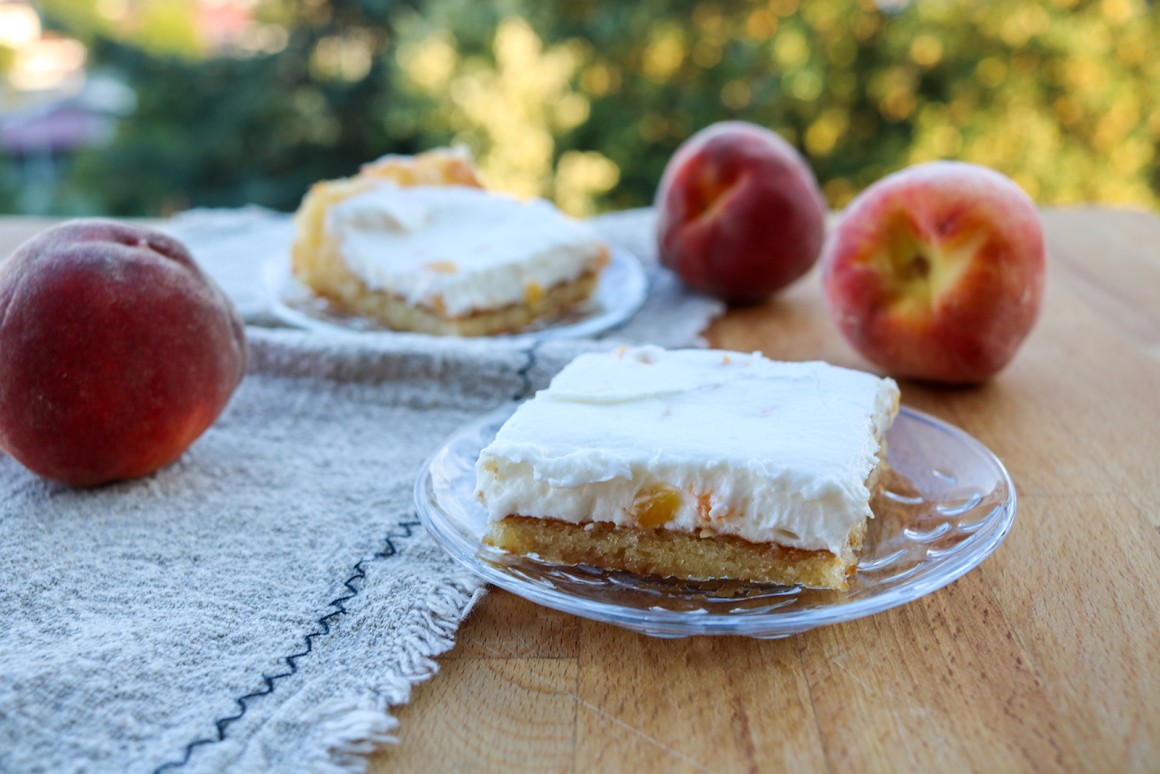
{"x":249,"y":101}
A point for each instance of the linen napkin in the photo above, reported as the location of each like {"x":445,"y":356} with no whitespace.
{"x":262,"y":603}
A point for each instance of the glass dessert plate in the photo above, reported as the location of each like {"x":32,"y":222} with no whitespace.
{"x":946,"y":504}
{"x":619,"y":294}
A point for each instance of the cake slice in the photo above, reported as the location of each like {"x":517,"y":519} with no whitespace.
{"x":415,"y":243}
{"x":695,"y":464}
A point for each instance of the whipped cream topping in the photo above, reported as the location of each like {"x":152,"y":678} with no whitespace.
{"x":458,"y":249}
{"x":739,"y":445}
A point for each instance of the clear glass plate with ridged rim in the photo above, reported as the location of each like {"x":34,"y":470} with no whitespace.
{"x":945,"y":505}
{"x":619,"y":294}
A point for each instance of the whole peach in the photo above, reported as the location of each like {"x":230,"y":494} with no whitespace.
{"x":937,"y":272}
{"x":118,"y":352}
{"x":740,"y":213}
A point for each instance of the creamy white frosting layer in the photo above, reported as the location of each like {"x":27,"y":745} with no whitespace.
{"x":766,"y":451}
{"x":458,"y":249}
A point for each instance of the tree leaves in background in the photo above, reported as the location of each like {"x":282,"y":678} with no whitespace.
{"x":229,"y":131}
{"x":1060,"y":95}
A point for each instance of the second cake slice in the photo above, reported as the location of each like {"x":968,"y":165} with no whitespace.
{"x":416,"y":244}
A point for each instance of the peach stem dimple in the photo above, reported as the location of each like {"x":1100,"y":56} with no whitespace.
{"x":714,"y":193}
{"x":920,"y":265}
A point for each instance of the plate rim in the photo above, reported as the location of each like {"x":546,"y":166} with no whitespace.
{"x":676,"y":623}
{"x":277,"y":274}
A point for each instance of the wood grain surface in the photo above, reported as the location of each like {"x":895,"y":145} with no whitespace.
{"x":1045,"y":658}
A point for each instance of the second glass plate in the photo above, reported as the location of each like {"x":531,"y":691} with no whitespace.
{"x":619,"y":294}
{"x":946,"y":505}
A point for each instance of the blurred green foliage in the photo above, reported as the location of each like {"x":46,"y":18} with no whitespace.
{"x":234,"y":130}
{"x":8,"y":191}
{"x":8,"y":198}
{"x":585,"y":101}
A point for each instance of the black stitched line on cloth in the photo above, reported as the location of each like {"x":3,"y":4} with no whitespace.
{"x":358,"y":573}
{"x":525,"y":371}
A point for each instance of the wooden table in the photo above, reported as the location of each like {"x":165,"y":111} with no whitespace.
{"x":1047,"y":657}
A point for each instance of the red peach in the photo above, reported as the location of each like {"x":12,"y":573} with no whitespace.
{"x":740,"y":213}
{"x":937,"y":272}
{"x":118,"y":352}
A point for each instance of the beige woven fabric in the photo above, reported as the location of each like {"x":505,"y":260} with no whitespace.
{"x":263,"y":602}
